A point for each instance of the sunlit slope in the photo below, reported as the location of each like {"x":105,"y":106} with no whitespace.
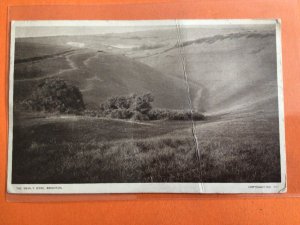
{"x":235,"y":71}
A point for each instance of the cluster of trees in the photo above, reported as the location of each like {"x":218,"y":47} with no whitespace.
{"x":139,"y":107}
{"x":55,"y":95}
{"x":133,"y":106}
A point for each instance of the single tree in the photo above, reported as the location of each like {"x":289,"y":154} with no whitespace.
{"x":55,"y":95}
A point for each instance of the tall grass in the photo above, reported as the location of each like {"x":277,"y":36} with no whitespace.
{"x":167,"y":158}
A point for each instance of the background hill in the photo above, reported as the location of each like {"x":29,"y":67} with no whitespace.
{"x":227,"y":70}
{"x":99,"y":75}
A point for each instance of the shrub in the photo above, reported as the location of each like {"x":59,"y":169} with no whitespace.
{"x":121,"y":114}
{"x":55,"y":95}
{"x":142,"y":103}
{"x":159,"y":114}
{"x":126,"y":107}
{"x":118,"y":102}
{"x":198,"y":116}
{"x":180,"y":115}
{"x":139,"y":116}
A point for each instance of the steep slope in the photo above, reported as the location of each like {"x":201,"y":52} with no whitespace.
{"x":100,"y":75}
{"x":235,"y":71}
{"x":113,"y":74}
{"x":227,"y":69}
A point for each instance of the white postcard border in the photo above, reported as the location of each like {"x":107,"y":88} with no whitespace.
{"x":93,"y":188}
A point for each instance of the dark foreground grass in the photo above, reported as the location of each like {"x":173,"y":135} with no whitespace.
{"x":232,"y":150}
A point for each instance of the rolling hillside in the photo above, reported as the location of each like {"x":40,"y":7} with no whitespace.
{"x":236,"y":71}
{"x":99,"y":75}
{"x":231,"y":72}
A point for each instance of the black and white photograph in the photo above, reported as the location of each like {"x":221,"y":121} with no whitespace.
{"x":149,"y":106}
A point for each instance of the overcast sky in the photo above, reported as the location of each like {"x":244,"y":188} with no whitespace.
{"x":59,"y":31}
{"x":40,"y":31}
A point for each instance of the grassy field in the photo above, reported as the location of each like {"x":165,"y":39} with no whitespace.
{"x":87,"y":150}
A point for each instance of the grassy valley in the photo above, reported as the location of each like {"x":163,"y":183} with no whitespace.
{"x":231,"y":77}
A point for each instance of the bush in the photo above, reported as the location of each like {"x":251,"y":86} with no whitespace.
{"x":142,"y":103}
{"x":55,"y":95}
{"x":139,"y":116}
{"x":126,"y":107}
{"x":198,"y":116}
{"x":118,"y":102}
{"x":180,"y":115}
{"x":159,"y":114}
{"x":121,"y":114}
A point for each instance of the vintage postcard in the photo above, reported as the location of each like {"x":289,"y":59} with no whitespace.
{"x":154,"y":106}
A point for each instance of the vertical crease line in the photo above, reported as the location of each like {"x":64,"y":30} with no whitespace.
{"x":180,"y":46}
